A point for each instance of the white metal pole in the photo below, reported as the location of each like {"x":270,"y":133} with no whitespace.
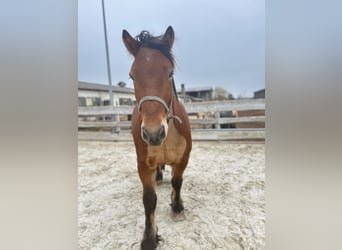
{"x":115,"y":130}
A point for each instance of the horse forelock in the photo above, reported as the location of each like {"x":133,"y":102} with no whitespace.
{"x":146,"y":40}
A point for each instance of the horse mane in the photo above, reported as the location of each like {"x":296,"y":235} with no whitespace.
{"x":174,"y":89}
{"x":146,"y":40}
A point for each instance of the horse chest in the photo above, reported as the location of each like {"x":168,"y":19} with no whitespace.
{"x":171,"y":152}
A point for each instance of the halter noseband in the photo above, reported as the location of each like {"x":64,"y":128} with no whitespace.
{"x":162,"y":102}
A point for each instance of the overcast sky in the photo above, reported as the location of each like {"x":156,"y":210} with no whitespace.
{"x":219,"y":43}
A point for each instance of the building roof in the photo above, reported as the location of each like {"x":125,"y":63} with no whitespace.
{"x":259,"y":91}
{"x":104,"y":88}
{"x":197,"y":89}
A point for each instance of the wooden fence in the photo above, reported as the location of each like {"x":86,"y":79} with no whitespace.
{"x":208,"y":121}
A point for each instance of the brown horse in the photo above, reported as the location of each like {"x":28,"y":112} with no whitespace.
{"x":160,"y":125}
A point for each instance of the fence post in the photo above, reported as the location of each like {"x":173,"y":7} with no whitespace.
{"x":116,"y":129}
{"x":217,"y":116}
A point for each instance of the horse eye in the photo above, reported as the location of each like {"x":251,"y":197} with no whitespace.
{"x":130,"y":76}
{"x":171,"y":74}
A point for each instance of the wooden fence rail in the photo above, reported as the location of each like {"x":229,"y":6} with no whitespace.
{"x":205,"y":118}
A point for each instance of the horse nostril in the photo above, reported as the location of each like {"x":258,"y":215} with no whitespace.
{"x":145,"y":134}
{"x":162,"y":132}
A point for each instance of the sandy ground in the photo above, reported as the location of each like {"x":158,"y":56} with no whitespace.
{"x":223,"y":194}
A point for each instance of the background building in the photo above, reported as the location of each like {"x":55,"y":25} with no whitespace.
{"x":93,"y":94}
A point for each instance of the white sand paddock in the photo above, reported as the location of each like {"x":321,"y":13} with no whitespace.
{"x":223,"y":194}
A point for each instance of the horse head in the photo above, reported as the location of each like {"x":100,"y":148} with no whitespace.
{"x":152,"y":74}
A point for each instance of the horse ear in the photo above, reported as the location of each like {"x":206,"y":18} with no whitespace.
{"x":130,"y":43}
{"x":169,"y":37}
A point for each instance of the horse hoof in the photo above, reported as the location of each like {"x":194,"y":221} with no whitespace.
{"x":149,"y":244}
{"x":177,"y":207}
{"x":178,"y":216}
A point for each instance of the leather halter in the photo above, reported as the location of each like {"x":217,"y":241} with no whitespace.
{"x":162,"y":102}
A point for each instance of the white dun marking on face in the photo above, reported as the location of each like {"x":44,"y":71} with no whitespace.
{"x":166,"y":126}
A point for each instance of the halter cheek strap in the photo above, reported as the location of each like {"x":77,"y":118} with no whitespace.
{"x":162,"y":102}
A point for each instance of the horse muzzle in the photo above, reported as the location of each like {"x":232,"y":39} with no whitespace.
{"x":154,"y":137}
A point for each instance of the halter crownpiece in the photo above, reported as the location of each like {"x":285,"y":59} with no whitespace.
{"x":162,"y":102}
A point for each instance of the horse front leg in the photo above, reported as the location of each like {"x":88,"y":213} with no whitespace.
{"x":151,"y":238}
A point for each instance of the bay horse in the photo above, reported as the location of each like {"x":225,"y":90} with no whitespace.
{"x":160,"y":125}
